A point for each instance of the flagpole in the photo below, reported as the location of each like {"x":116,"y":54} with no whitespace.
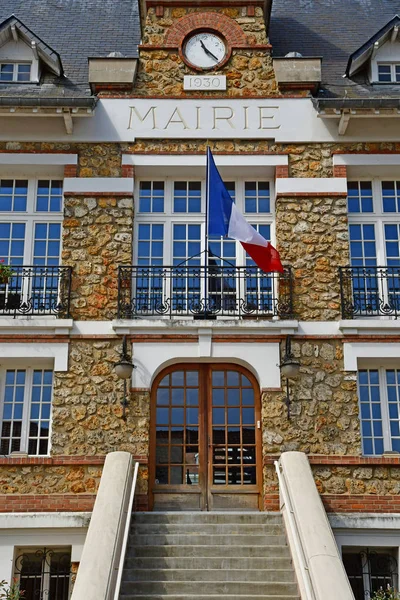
{"x":206,"y":226}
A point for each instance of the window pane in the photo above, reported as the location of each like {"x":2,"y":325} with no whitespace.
{"x":384,"y":73}
{"x":257,"y":197}
{"x":151,"y":197}
{"x":13,"y":402}
{"x":187,"y":197}
{"x":370,"y":411}
{"x":6,"y":72}
{"x":13,"y":195}
{"x":23,"y":72}
{"x":49,"y":196}
{"x":359,"y":197}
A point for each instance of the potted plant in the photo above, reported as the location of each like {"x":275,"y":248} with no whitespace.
{"x":11,"y":592}
{"x":6,"y":271}
{"x":388,"y":594}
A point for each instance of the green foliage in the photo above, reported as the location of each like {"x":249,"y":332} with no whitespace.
{"x":388,"y":594}
{"x":5,"y":270}
{"x":11,"y":592}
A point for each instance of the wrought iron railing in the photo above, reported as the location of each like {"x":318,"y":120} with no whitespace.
{"x":370,"y":291}
{"x":36,"y":290}
{"x":203,"y":292}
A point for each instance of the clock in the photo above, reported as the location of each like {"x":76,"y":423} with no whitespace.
{"x":205,"y":50}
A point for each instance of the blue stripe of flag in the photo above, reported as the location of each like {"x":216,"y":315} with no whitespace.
{"x":219,"y":200}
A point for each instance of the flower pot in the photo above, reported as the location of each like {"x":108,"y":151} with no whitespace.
{"x":4,"y":279}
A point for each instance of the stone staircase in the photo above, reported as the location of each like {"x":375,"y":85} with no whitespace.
{"x":208,"y":556}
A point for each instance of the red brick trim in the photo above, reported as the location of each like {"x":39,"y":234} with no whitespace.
{"x":370,"y":150}
{"x":260,"y":47}
{"x":200,"y":153}
{"x":70,"y":170}
{"x":361,"y":503}
{"x":271,"y":502}
{"x":201,"y":3}
{"x":335,"y":460}
{"x":233,"y":33}
{"x":98,"y":194}
{"x":128,"y":171}
{"x":282,"y":171}
{"x":34,"y":338}
{"x":159,"y":10}
{"x":62,"y":460}
{"x":165,"y":338}
{"x":46,"y":502}
{"x":340,"y":171}
{"x":251,"y":10}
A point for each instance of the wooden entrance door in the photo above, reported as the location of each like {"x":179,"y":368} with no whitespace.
{"x":205,"y":450}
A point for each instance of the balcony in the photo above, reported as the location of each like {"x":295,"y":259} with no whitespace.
{"x":370,"y":291}
{"x":36,"y":291}
{"x":204,"y":292}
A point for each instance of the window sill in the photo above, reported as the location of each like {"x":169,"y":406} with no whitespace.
{"x":373,"y":325}
{"x":35,"y":325}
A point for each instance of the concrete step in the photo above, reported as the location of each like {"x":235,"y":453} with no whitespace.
{"x":209,"y":551}
{"x":212,"y":597}
{"x":215,"y":575}
{"x":206,"y":528}
{"x":240,"y":588}
{"x":198,"y":539}
{"x":207,"y":517}
{"x":209,"y":562}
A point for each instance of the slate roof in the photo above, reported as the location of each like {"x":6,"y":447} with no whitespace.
{"x":333,"y":29}
{"x":76,"y":30}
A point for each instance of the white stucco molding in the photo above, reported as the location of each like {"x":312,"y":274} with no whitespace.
{"x":98,"y":185}
{"x":35,"y":326}
{"x":311,"y":185}
{"x":372,"y":160}
{"x":28,"y":158}
{"x":36,"y":351}
{"x":384,"y":326}
{"x":354,"y":352}
{"x":196,"y":160}
{"x":34,"y":520}
{"x":261,"y":358}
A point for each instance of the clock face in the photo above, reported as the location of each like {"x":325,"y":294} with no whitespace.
{"x":205,"y":50}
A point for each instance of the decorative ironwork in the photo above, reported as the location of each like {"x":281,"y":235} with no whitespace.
{"x":44,"y":574}
{"x":370,"y":291}
{"x":36,"y":290}
{"x":369,"y":571}
{"x":203,"y":292}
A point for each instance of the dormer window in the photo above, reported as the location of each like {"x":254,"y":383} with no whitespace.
{"x":15,"y":72}
{"x":389,"y":73}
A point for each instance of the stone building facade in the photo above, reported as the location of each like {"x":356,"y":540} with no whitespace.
{"x":320,"y":150}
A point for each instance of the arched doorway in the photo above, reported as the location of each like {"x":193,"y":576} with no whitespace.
{"x":205,"y":447}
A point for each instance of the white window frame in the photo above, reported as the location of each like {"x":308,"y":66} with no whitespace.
{"x":31,"y":216}
{"x":378,"y":218}
{"x":168,"y":218}
{"x":15,"y":71}
{"x":29,"y":368}
{"x":392,"y":66}
{"x":381,"y":367}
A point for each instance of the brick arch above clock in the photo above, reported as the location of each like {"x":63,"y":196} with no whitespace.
{"x":232,"y":32}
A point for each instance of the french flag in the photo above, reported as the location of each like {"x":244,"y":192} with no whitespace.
{"x":225,"y":219}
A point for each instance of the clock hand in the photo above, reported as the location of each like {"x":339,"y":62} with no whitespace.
{"x":207,"y":51}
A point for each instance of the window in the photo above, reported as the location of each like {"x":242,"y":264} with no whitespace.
{"x":171,"y":220}
{"x":389,"y":73}
{"x":374,"y":231}
{"x":370,"y":569}
{"x":43,"y":572}
{"x":15,"y":72}
{"x":171,"y":231}
{"x":379,"y":397}
{"x":26,"y":396}
{"x":30,"y":240}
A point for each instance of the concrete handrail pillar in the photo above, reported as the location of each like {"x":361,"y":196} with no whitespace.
{"x":97,"y":570}
{"x":327,"y":573}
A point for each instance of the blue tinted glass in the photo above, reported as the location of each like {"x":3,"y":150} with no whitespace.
{"x":17,"y":248}
{"x":250,"y":205}
{"x":355,"y":232}
{"x":179,"y":204}
{"x":158,"y":205}
{"x":376,"y":411}
{"x":18,"y":409}
{"x":54,"y":231}
{"x":392,"y":395}
{"x":10,"y":377}
{"x":19,"y":203}
{"x":377,"y":428}
{"x":18,"y":230}
{"x":144,"y":248}
{"x":41,"y":231}
{"x":367,"y":445}
{"x":391,"y":377}
{"x":55,"y":204}
{"x":194,"y":205}
{"x":369,"y":232}
{"x":366,"y":204}
{"x":46,"y":394}
{"x":366,"y":428}
{"x":39,"y":249}
{"x":394,"y":428}
{"x":4,"y":248}
{"x":396,"y":445}
{"x":5,"y":203}
{"x":35,"y":410}
{"x":158,"y":231}
{"x":353,"y":205}
{"x":379,"y":446}
{"x":375,"y":394}
{"x":53,"y":248}
{"x":36,"y":393}
{"x":7,"y":411}
{"x":144,"y":204}
{"x":42,"y":204}
{"x":144,"y":232}
{"x":194,"y":232}
{"x":393,"y":411}
{"x":21,"y":377}
{"x":374,"y":377}
{"x":179,"y":232}
{"x":263,"y":205}
{"x":363,"y":377}
{"x":391,"y":232}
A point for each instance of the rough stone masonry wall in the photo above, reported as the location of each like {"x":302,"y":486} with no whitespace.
{"x":312,"y":237}
{"x":249,"y":72}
